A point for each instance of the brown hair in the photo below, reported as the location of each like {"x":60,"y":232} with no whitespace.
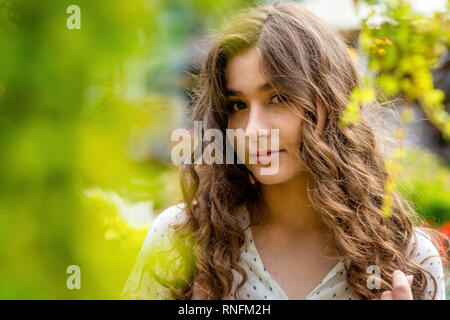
{"x":304,"y":59}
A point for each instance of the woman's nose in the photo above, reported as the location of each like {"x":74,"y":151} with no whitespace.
{"x":258,"y":124}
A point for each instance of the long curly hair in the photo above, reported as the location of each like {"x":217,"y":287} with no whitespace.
{"x":306,"y":60}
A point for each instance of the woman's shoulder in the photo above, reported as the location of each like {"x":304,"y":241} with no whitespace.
{"x":421,"y":245}
{"x":159,"y":229}
{"x":423,"y":251}
{"x":154,"y":263}
{"x":171,"y":215}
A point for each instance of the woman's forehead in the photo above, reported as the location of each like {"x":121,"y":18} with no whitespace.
{"x":243,"y":72}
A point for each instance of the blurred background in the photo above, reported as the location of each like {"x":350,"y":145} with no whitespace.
{"x":89,"y":98}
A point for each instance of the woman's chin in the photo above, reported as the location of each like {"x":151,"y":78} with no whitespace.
{"x":272,"y":179}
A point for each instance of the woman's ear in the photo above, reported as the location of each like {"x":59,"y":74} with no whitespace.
{"x":321,"y":116}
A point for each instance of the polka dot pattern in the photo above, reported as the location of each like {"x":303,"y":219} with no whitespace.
{"x":334,"y":286}
{"x":426,"y":254}
{"x":260,"y":285}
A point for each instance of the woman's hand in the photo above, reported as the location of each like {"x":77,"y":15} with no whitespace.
{"x":401,"y":287}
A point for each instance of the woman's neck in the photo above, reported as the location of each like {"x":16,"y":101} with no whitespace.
{"x":291,"y":219}
{"x":288,"y":207}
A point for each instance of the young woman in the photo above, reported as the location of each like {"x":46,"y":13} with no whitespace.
{"x":314,"y":229}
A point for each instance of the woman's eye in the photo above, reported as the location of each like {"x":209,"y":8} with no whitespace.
{"x":236,"y":106}
{"x":279,"y":98}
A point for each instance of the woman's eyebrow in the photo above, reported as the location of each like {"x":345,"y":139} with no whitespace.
{"x":264,"y":87}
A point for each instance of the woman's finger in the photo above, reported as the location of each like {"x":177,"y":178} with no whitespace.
{"x":410,"y":279}
{"x":387,"y":295}
{"x":401,"y":287}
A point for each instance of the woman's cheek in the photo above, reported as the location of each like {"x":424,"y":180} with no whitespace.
{"x":238,"y":144}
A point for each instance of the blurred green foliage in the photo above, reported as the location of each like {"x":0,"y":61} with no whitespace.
{"x":402,"y":48}
{"x":426,"y":182}
{"x":72,"y":104}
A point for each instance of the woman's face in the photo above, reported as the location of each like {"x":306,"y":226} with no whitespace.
{"x":256,"y":106}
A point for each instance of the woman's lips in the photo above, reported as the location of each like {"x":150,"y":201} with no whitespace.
{"x":262,"y":158}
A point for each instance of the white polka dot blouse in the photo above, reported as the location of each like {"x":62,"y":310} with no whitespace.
{"x":142,"y":284}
